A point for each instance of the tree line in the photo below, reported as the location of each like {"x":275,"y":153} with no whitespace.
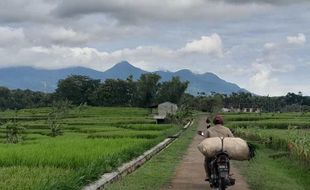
{"x":291,"y":102}
{"x":147,"y":91}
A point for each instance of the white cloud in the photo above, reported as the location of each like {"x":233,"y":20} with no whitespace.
{"x":269,"y":45}
{"x":299,"y":39}
{"x":207,"y":44}
{"x":277,"y":59}
{"x":149,"y":57}
{"x":10,"y":36}
{"x":265,"y":82}
{"x":262,"y":79}
{"x":154,"y":35}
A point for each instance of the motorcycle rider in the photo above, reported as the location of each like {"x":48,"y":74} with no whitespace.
{"x":218,"y":130}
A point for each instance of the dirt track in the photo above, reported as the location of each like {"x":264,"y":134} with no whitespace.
{"x":190,"y":174}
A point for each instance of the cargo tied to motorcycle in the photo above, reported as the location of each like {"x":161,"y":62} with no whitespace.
{"x":236,"y":148}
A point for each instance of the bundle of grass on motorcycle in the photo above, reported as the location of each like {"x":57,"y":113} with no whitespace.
{"x":218,"y":152}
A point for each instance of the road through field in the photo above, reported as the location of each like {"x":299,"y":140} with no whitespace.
{"x":190,"y":174}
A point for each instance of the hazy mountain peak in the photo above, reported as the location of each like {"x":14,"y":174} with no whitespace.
{"x":211,"y":76}
{"x":185,"y":71}
{"x":122,"y":70}
{"x":32,"y":78}
{"x":124,"y":65}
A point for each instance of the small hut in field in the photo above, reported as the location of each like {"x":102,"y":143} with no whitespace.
{"x":163,"y":110}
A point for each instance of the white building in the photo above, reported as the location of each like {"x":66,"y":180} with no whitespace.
{"x":226,"y":110}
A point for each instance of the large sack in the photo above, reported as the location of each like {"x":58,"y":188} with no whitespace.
{"x":236,"y":148}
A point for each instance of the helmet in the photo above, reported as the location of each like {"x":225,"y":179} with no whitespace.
{"x":218,"y":119}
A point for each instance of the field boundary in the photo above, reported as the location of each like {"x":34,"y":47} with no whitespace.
{"x":134,"y":164}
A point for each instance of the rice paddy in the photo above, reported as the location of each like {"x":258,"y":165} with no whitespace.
{"x":94,"y":141}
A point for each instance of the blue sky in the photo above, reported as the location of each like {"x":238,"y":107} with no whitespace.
{"x":262,"y":46}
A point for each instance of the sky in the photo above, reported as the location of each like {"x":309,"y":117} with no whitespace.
{"x":261,"y":45}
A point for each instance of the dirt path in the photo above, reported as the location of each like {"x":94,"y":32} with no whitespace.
{"x":190,"y":174}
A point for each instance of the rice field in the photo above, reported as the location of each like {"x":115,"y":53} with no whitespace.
{"x":94,"y":140}
{"x":289,"y":132}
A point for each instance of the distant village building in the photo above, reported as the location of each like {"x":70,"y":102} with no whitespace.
{"x":235,"y":110}
{"x":258,"y":110}
{"x":251,"y":110}
{"x":243,"y":110}
{"x":163,"y":110}
{"x":226,"y":110}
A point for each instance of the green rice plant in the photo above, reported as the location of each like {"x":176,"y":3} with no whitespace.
{"x":265,"y":124}
{"x":126,"y":134}
{"x":67,"y":151}
{"x":31,"y":178}
{"x":94,"y":141}
{"x":91,"y":129}
{"x":61,"y":107}
{"x":54,"y":124}
{"x":296,"y":141}
{"x":152,"y":127}
{"x":13,"y":132}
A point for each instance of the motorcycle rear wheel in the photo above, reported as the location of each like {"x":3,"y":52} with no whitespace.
{"x":222,"y":184}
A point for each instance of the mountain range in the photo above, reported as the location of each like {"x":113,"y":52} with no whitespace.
{"x":46,"y":80}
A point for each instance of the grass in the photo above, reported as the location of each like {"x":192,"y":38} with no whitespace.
{"x":282,"y":173}
{"x":295,"y":141}
{"x":95,"y":140}
{"x":286,"y":131}
{"x":268,"y":120}
{"x":157,"y":172}
{"x":31,"y":178}
{"x":282,"y":160}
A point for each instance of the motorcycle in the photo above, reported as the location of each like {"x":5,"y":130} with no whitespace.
{"x":219,"y":167}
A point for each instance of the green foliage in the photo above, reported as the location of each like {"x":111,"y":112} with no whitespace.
{"x":115,"y":92}
{"x":182,"y":116}
{"x":54,"y":119}
{"x":283,"y":141}
{"x":287,"y":131}
{"x":145,"y":92}
{"x":267,"y":172}
{"x":82,"y":107}
{"x":55,"y":125}
{"x":13,"y":132}
{"x":77,"y":89}
{"x":94,"y":141}
{"x":214,"y":102}
{"x":172,"y":90}
{"x":147,"y":88}
{"x":61,"y":108}
{"x":18,"y":99}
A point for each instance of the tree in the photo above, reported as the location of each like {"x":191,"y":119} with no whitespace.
{"x":5,"y":94}
{"x":147,"y":87}
{"x":115,"y":92}
{"x":172,"y":90}
{"x":77,"y":89}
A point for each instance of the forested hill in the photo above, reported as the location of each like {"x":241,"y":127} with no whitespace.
{"x":46,"y":80}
